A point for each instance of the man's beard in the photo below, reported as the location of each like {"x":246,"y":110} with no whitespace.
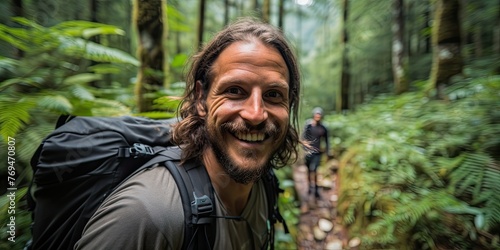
{"x":238,"y":173}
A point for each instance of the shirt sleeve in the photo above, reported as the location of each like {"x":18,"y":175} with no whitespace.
{"x":145,"y":212}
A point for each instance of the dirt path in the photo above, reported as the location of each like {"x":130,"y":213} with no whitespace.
{"x":319,"y":227}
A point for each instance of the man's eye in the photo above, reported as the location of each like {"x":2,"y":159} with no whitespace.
{"x":234,"y":90}
{"x":274,"y":94}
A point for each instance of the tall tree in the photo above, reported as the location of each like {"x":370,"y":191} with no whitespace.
{"x":496,"y":32}
{"x":148,"y":19}
{"x":17,"y":10}
{"x":266,"y":11}
{"x":201,"y":23}
{"x":427,"y":40}
{"x":226,"y":12}
{"x":343,"y":98}
{"x":398,"y":48}
{"x":447,"y":59}
{"x":281,"y":13}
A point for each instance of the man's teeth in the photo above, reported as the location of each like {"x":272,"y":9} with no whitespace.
{"x":250,"y":137}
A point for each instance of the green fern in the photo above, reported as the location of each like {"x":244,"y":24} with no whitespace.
{"x":55,"y":103}
{"x":104,"y":107}
{"x":89,"y":50}
{"x":411,"y":163}
{"x":81,"y":93}
{"x":14,"y":115}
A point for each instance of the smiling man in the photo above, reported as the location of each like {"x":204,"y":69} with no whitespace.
{"x":239,"y":120}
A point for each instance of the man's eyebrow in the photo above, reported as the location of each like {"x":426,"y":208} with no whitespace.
{"x":283,"y":84}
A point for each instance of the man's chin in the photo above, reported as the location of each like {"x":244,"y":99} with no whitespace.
{"x":246,"y":172}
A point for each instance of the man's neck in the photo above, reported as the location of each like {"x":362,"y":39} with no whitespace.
{"x":233,"y":195}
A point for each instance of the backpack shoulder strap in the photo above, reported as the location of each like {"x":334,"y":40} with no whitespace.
{"x":198,"y":198}
{"x":271,"y":184}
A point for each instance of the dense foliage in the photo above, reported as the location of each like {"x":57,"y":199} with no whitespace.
{"x":423,"y":174}
{"x":416,"y":173}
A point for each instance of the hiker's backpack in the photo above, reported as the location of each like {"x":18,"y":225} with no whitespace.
{"x":85,"y":158}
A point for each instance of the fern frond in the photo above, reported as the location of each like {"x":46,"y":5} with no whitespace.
{"x":105,"y":68}
{"x":86,"y":29}
{"x":81,"y":93}
{"x":82,"y":78}
{"x":104,"y":107}
{"x":57,"y":103}
{"x":93,"y":51}
{"x":17,"y":37}
{"x":14,"y":115}
{"x":8,"y":63}
{"x":31,"y":137}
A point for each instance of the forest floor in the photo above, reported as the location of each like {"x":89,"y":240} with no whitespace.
{"x":319,"y":227}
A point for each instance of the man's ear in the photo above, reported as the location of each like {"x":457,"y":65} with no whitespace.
{"x":200,"y":100}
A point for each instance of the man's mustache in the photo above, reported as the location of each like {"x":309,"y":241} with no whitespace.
{"x":268,"y":128}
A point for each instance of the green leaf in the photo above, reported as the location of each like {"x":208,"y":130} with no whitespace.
{"x":179,"y":60}
{"x":56,"y":103}
{"x":16,"y":42}
{"x":104,"y":107}
{"x":9,"y":82}
{"x":479,"y":221}
{"x":156,"y":115}
{"x":105,"y":68}
{"x":14,"y":115}
{"x":8,"y":63}
{"x":82,"y":93}
{"x":89,"y":50}
{"x":82,"y":78}
{"x":26,"y":22}
{"x":87,"y":33}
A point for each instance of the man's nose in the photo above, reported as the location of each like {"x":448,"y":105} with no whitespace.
{"x":254,"y":111}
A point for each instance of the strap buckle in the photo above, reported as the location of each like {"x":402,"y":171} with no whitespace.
{"x":136,"y":151}
{"x":201,"y":208}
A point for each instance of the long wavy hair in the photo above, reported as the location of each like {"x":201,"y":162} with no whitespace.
{"x":191,"y":132}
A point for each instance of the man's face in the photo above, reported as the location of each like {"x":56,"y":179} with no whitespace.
{"x":247,"y":108}
{"x":317,"y":117}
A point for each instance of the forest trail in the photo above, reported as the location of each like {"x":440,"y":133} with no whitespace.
{"x":319,"y":228}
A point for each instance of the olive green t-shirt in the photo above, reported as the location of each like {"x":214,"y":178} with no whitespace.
{"x":146,"y":212}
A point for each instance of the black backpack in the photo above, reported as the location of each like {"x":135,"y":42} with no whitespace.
{"x":85,"y":158}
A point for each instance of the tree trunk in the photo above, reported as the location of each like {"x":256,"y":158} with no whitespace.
{"x":266,"y":11}
{"x":447,"y":58}
{"x":409,"y":30}
{"x":17,"y":10}
{"x":496,"y":33}
{"x":496,"y":38}
{"x":226,"y":12}
{"x":478,"y":40}
{"x":427,"y":40}
{"x":281,"y":14}
{"x":93,"y":17}
{"x":201,"y":24}
{"x":148,"y":19}
{"x":343,"y":98}
{"x":398,"y":48}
